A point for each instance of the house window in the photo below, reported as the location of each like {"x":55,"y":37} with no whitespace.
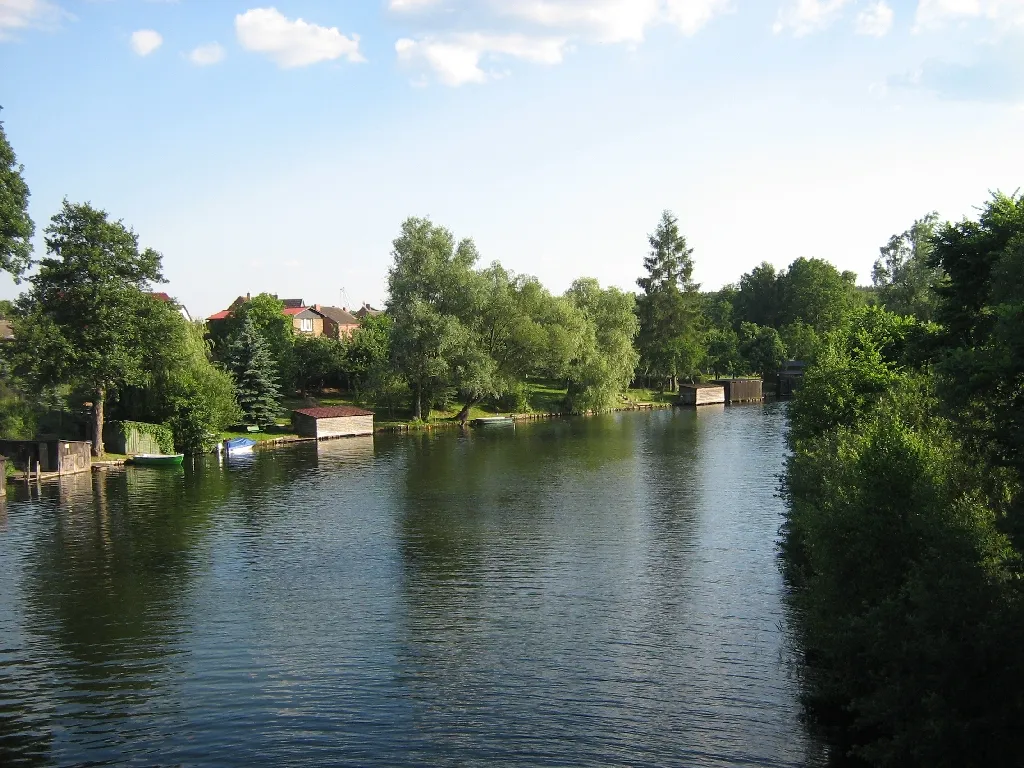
{"x":306,"y":326}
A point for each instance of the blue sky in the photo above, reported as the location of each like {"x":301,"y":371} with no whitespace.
{"x":278,"y":148}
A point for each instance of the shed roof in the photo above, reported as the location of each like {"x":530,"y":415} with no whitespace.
{"x":339,"y":315}
{"x":333,"y":412}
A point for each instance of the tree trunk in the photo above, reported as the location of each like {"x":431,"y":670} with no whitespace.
{"x":97,"y":422}
{"x":464,"y":413}
{"x":418,"y":404}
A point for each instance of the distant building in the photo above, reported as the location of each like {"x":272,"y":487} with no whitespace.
{"x":161,"y":296}
{"x":337,"y":421}
{"x":344,"y":321}
{"x":6,"y":330}
{"x":701,"y":394}
{"x":367,"y":310}
{"x":315,"y":320}
{"x":791,"y":376}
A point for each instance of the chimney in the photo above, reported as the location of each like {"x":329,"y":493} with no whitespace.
{"x":316,"y":307}
{"x":247,"y":297}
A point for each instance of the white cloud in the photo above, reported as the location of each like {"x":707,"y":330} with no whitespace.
{"x":933,"y":13}
{"x":205,"y":55}
{"x":21,"y":14}
{"x":543,"y":30}
{"x":293,"y":43}
{"x":691,"y":15}
{"x":607,"y":21}
{"x":802,"y":17}
{"x":145,"y":41}
{"x":456,"y":60}
{"x":875,"y":20}
{"x":411,"y":5}
{"x":612,"y":21}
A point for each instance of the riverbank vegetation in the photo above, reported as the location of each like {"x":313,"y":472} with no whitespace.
{"x":459,"y":337}
{"x":905,"y":532}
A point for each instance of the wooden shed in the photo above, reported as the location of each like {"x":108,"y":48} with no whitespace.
{"x":62,"y":456}
{"x":742,"y":390}
{"x":791,"y":376}
{"x":701,"y":394}
{"x":336,"y":421}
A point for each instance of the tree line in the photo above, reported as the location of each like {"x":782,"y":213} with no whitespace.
{"x":904,"y":535}
{"x":455,"y":334}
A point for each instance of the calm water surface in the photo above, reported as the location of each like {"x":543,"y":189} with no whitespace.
{"x":593,"y":592}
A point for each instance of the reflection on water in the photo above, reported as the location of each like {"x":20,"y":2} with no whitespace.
{"x":586,"y":592}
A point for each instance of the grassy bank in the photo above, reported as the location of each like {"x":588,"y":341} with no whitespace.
{"x":542,"y":398}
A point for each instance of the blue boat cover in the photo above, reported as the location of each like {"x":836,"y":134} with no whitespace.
{"x":238,"y":442}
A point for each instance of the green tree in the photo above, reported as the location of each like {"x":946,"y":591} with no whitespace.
{"x":182,"y":387}
{"x":668,"y":339}
{"x":369,"y":365}
{"x":432,"y":288}
{"x":762,"y":348}
{"x":266,"y":312}
{"x":80,"y":320}
{"x":904,"y":276}
{"x":759,"y":298}
{"x":318,"y":359}
{"x":16,"y":227}
{"x":255,"y":377}
{"x":800,"y":340}
{"x":606,"y":358}
{"x":723,"y":351}
{"x":814,"y":291}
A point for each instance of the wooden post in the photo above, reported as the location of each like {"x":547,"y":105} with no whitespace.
{"x":3,"y":476}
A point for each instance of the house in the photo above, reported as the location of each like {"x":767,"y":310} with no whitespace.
{"x":6,"y":330}
{"x":336,"y":421}
{"x":367,"y":311}
{"x":306,"y":321}
{"x":344,"y":322}
{"x":161,"y":296}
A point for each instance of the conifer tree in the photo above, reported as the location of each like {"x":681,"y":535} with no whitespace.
{"x":256,"y":379}
{"x":669,"y":338}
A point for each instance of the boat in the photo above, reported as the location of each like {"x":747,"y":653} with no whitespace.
{"x":238,"y":445}
{"x":158,"y":459}
{"x":494,"y":421}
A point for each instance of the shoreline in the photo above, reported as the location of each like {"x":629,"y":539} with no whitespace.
{"x":386,"y":428}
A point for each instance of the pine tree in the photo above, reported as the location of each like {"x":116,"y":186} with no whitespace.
{"x":255,"y":377}
{"x":669,"y":338}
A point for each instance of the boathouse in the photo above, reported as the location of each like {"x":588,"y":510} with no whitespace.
{"x":742,"y":390}
{"x":64,"y":457}
{"x":701,"y":394}
{"x":336,"y":421}
{"x":791,"y":376}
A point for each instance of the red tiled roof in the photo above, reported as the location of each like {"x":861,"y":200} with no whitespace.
{"x":292,"y":311}
{"x":160,"y":296}
{"x":222,"y":315}
{"x":333,"y":412}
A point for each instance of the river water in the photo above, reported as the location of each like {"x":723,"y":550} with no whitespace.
{"x":594,"y":592}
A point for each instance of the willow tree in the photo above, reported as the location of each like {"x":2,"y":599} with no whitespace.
{"x":82,"y":320}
